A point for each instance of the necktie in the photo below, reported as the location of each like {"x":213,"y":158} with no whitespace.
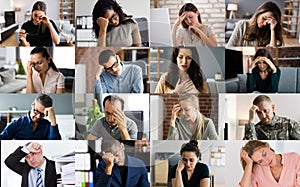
{"x":39,"y":180}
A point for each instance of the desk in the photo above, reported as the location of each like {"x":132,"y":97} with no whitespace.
{"x":8,"y":31}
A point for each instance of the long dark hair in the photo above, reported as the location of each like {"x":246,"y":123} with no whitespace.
{"x":194,"y":70}
{"x":44,"y":52}
{"x":262,"y":35}
{"x":264,"y":53}
{"x":100,"y":9}
{"x":189,"y":7}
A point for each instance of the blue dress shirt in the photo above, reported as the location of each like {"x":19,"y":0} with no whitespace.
{"x":21,"y":129}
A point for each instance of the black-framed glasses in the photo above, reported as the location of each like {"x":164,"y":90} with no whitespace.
{"x":113,"y":18}
{"x":115,"y":65}
{"x":36,"y":112}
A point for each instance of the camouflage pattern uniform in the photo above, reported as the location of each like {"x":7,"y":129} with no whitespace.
{"x":281,"y":128}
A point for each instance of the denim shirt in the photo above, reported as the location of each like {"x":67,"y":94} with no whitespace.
{"x":130,"y":81}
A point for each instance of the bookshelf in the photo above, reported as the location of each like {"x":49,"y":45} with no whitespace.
{"x":291,"y":17}
{"x":67,"y":10}
{"x":84,"y":32}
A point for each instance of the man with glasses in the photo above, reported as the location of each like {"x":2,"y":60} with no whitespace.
{"x":34,"y":126}
{"x":37,"y":171}
{"x":119,"y":169}
{"x":115,"y":125}
{"x":114,"y":77}
{"x":271,"y":126}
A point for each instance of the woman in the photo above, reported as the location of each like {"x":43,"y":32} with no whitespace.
{"x":184,"y":74}
{"x":40,"y":30}
{"x":113,"y":27}
{"x":189,"y":171}
{"x":42,"y":74}
{"x":191,"y":125}
{"x":263,"y":29}
{"x":193,"y":32}
{"x":263,"y":76}
{"x":263,"y":167}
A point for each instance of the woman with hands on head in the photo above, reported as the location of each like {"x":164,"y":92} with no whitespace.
{"x":263,"y":29}
{"x":263,"y":76}
{"x":263,"y":167}
{"x":40,"y":30}
{"x":42,"y":74}
{"x":184,"y":74}
{"x":189,"y":171}
{"x":193,"y":32}
{"x":113,"y":27}
{"x":191,"y":124}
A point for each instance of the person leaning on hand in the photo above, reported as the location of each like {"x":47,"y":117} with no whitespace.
{"x":36,"y":171}
{"x":271,"y":126}
{"x":40,"y":30}
{"x":263,"y":167}
{"x":119,"y":169}
{"x":112,"y":76}
{"x":34,"y":126}
{"x":115,"y":125}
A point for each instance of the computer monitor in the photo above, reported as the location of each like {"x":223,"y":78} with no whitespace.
{"x":9,"y":17}
{"x":233,"y":63}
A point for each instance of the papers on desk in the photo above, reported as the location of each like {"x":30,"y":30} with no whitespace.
{"x":68,"y":173}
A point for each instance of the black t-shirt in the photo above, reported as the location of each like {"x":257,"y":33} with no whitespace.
{"x":35,"y":34}
{"x":201,"y":171}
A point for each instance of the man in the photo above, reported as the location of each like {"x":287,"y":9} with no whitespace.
{"x":271,"y":126}
{"x":115,"y":125}
{"x":119,"y":169}
{"x":34,"y":126}
{"x":114,"y":77}
{"x":36,"y":171}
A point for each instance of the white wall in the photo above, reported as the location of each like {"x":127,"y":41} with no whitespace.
{"x":165,"y":146}
{"x":157,"y":117}
{"x":26,"y":5}
{"x":50,"y":149}
{"x":234,"y":171}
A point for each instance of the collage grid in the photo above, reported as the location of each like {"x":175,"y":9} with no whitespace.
{"x":163,"y":83}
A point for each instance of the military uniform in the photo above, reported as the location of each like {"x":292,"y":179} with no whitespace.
{"x":281,"y":128}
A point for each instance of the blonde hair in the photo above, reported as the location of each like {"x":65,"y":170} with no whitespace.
{"x":200,"y":119}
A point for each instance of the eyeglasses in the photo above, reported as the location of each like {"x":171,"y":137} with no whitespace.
{"x":114,"y":17}
{"x":115,"y":65}
{"x":39,"y":16}
{"x":36,"y":112}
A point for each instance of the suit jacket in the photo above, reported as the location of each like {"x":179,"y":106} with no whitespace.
{"x":22,"y":168}
{"x":136,"y":175}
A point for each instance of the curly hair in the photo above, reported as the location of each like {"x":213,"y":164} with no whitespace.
{"x":263,"y":35}
{"x":100,"y":9}
{"x":194,"y":70}
{"x":189,"y":7}
{"x":263,"y":53}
